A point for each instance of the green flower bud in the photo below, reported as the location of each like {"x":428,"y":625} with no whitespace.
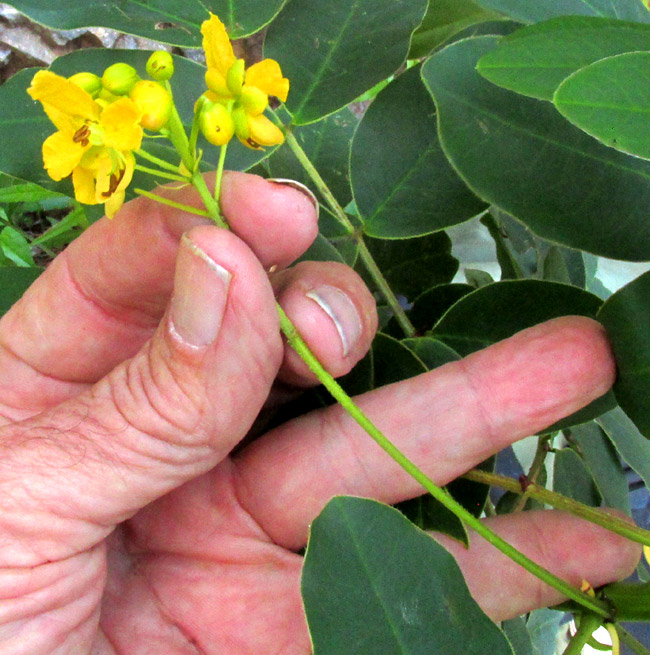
{"x":89,"y":82}
{"x":160,"y":66}
{"x":119,"y":78}
{"x":253,"y":100}
{"x":154,"y":102}
{"x":241,"y":123}
{"x":235,"y":77}
{"x":216,"y":123}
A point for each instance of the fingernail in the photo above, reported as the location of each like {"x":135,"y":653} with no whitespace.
{"x":343,"y":313}
{"x":299,"y":186}
{"x":200,"y":295}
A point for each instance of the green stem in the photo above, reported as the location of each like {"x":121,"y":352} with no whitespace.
{"x":627,"y":639}
{"x":194,"y":133}
{"x":171,"y":203}
{"x":219,"y":177}
{"x":558,"y":501}
{"x":298,"y":344}
{"x":214,"y":211}
{"x":163,"y":174}
{"x":340,"y":215}
{"x":589,"y":623}
{"x":156,"y":160}
{"x":535,"y":468}
{"x":178,"y":135}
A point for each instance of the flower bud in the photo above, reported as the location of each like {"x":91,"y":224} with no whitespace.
{"x":235,"y":77}
{"x":89,"y":82}
{"x":253,"y":100}
{"x":241,"y":123}
{"x":154,"y":102}
{"x":160,"y":66}
{"x":119,"y":78}
{"x":216,"y":123}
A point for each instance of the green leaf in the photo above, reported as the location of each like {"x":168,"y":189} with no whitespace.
{"x":522,"y":156}
{"x":402,"y":182}
{"x":24,"y":125}
{"x":333,"y":51}
{"x":373,"y":583}
{"x":626,"y":317}
{"x":572,"y":479}
{"x":498,"y":311}
{"x":431,"y":352}
{"x":14,"y":281}
{"x":631,"y":600}
{"x":543,"y":626}
{"x":445,"y":19}
{"x":172,"y":21}
{"x":532,"y":12}
{"x":15,"y":247}
{"x":610,"y":100}
{"x":327,"y":144}
{"x":518,"y":635}
{"x":411,"y":266}
{"x":433,"y":303}
{"x":26,"y":193}
{"x":602,"y":461}
{"x":633,"y":447}
{"x":536,"y":59}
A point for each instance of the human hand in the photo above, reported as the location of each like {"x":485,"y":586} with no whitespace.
{"x":127,"y":525}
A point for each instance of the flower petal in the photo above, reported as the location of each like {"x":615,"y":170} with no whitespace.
{"x":266,"y":75}
{"x":63,"y":100}
{"x":83,"y":180}
{"x":262,"y":132}
{"x":61,"y":154}
{"x":218,"y":49}
{"x":113,"y":204}
{"x":120,"y":125}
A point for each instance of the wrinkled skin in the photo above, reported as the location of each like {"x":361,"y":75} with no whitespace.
{"x":129,"y":527}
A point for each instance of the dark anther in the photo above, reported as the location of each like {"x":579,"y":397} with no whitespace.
{"x":116,"y":178}
{"x":81,"y":135}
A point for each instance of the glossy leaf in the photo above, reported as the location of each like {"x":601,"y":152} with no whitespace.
{"x":633,"y":447}
{"x":170,"y":21}
{"x":499,"y":310}
{"x":410,"y":189}
{"x":431,"y":352}
{"x":429,"y":307}
{"x":14,"y":281}
{"x":521,"y":155}
{"x":24,"y":125}
{"x":532,"y":12}
{"x":536,"y":59}
{"x":603,"y":462}
{"x":373,"y":583}
{"x":327,"y":144}
{"x":518,"y":635}
{"x":543,"y":626}
{"x":334,"y":51}
{"x":411,"y":266}
{"x":445,"y":19}
{"x":626,"y":316}
{"x":610,"y":100}
{"x":572,"y":479}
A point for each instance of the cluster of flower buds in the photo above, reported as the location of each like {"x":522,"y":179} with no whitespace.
{"x":237,"y":97}
{"x":122,"y":80}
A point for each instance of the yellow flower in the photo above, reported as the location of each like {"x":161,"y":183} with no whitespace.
{"x":94,"y":141}
{"x":244,"y":92}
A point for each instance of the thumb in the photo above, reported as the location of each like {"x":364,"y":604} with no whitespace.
{"x":170,"y":413}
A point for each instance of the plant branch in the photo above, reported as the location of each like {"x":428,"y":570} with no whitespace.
{"x":340,"y":215}
{"x":163,"y":174}
{"x":558,"y":501}
{"x":156,"y":160}
{"x":297,"y":343}
{"x":535,"y":468}
{"x":589,"y":623}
